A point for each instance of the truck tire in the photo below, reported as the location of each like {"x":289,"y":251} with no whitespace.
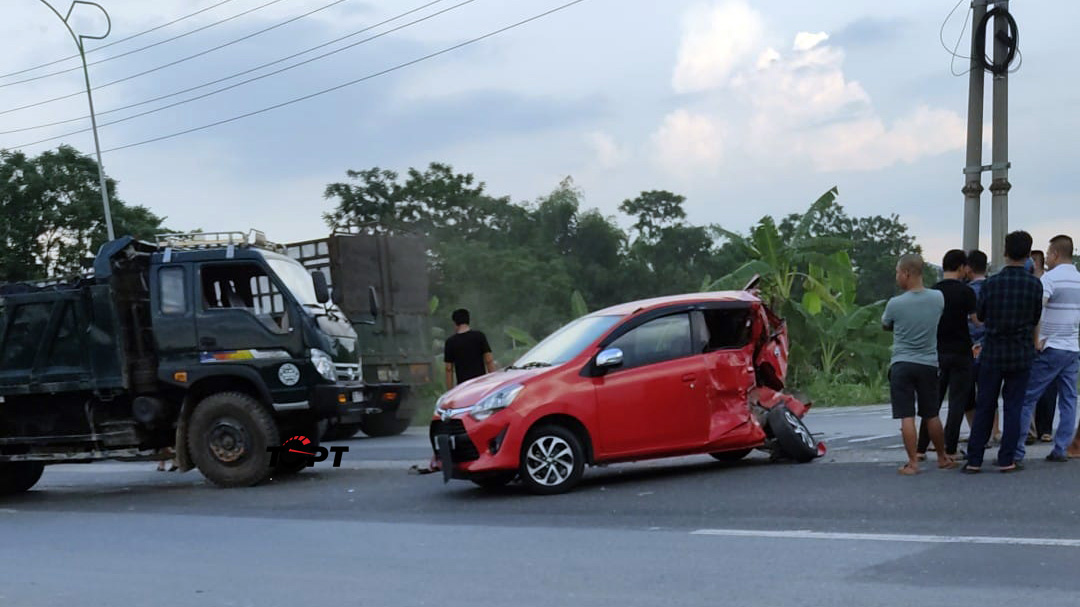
{"x":792,"y":435}
{"x":384,"y":424}
{"x":19,"y":477}
{"x":228,"y":436}
{"x":341,"y":431}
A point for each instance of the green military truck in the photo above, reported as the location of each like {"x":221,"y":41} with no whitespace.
{"x":396,"y":348}
{"x":217,"y":346}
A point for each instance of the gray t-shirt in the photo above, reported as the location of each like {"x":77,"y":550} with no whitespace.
{"x":914,"y":316}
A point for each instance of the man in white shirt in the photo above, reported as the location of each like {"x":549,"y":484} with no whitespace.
{"x":1058,"y":345}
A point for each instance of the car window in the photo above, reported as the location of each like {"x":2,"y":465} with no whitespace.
{"x":658,"y":340}
{"x":727,"y":328}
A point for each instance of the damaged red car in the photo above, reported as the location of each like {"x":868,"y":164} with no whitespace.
{"x":680,"y":375}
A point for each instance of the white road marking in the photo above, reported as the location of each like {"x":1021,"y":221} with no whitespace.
{"x":867,"y":439}
{"x":804,"y":534}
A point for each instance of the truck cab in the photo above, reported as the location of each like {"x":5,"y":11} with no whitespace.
{"x":216,"y":345}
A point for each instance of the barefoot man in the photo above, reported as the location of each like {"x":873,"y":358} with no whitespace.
{"x":913,"y":371}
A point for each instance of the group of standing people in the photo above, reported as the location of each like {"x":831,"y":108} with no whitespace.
{"x":1013,"y":335}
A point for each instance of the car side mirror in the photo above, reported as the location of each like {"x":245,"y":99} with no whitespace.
{"x":322,"y":290}
{"x":373,"y":302}
{"x":612,"y":357}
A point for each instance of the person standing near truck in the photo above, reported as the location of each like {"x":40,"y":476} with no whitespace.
{"x":466,"y":353}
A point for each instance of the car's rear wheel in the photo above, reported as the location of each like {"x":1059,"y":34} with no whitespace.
{"x":19,"y":477}
{"x":552,"y":460}
{"x":731,"y":456}
{"x":792,"y":435}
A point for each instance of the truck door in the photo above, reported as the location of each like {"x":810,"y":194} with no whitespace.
{"x":240,"y":307}
{"x":173,"y":310}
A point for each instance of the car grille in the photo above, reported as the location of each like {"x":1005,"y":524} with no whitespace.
{"x":463,"y":449}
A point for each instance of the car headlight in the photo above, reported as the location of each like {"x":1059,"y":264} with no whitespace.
{"x":323,"y":364}
{"x":496,"y":401}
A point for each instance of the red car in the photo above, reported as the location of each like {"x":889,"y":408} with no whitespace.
{"x":679,"y":375}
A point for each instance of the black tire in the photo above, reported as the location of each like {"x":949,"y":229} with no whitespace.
{"x":792,"y":435}
{"x":290,"y":463}
{"x":227,"y":438}
{"x":561,"y":460}
{"x":341,"y":431}
{"x":494,"y":480}
{"x":384,"y":424}
{"x":731,"y":456}
{"x":19,"y":477}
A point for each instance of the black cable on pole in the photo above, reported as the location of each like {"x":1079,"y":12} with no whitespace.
{"x":352,"y":82}
{"x":115,"y":42}
{"x":244,"y":72}
{"x":58,"y":72}
{"x":1012,"y":43}
{"x":255,"y":78}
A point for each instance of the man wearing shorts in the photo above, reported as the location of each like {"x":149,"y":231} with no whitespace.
{"x":913,"y":318}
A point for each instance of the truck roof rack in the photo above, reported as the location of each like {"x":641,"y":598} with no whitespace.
{"x":213,"y":240}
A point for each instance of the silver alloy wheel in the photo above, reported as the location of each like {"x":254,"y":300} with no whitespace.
{"x":800,"y":429}
{"x":549,"y":461}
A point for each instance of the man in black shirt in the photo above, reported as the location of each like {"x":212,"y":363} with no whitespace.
{"x":955,"y":362}
{"x":467,"y":353}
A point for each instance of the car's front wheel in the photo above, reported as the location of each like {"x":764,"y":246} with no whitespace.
{"x":792,"y":435}
{"x":552,"y":460}
{"x":731,"y":456}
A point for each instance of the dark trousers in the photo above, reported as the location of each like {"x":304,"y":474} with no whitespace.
{"x":1011,"y":386}
{"x":1044,"y":411}
{"x":956,"y":375}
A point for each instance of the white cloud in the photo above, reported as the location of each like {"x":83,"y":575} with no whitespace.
{"x":798,"y":107}
{"x":607,"y":151}
{"x":716,"y":40}
{"x":688,"y":143}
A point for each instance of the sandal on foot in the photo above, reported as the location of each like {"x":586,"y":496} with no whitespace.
{"x":970,"y":470}
{"x":1010,"y":468}
{"x":948,"y":464}
{"x":907,"y":470}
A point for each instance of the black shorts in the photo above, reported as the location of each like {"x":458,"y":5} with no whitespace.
{"x":911,"y":381}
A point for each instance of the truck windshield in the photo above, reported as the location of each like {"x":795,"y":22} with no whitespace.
{"x":296,"y":279}
{"x":567,"y":342}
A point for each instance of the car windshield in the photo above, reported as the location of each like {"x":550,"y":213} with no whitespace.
{"x":567,"y":342}
{"x":296,"y":279}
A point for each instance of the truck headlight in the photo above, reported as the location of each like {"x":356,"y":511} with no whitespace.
{"x":323,"y":364}
{"x":496,"y":401}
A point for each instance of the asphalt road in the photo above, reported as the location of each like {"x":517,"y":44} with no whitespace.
{"x":689,"y":531}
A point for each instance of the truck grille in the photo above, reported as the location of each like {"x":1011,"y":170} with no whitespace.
{"x":463,"y":448}
{"x":347,"y":372}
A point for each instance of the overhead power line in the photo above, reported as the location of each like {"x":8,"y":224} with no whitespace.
{"x":115,"y":42}
{"x":189,"y":57}
{"x":238,"y":84}
{"x":353,"y":82}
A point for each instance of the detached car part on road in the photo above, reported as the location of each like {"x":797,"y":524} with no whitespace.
{"x":208,"y":344}
{"x":688,"y":374}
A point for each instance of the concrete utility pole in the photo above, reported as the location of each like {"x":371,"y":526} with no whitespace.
{"x":973,"y":169}
{"x":78,"y":38}
{"x":1000,"y":186}
{"x":1005,"y":41}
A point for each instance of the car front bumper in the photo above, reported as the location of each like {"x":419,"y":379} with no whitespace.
{"x":463,"y":448}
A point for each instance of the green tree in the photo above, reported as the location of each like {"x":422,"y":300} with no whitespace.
{"x":53,"y":216}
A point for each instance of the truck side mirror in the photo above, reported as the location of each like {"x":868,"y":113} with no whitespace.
{"x":373,"y":302}
{"x":322,"y":290}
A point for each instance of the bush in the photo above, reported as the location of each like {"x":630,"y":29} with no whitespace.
{"x":844,"y":390}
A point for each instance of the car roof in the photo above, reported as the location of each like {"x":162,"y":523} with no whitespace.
{"x":625,"y":309}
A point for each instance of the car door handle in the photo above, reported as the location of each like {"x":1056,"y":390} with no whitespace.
{"x":689,"y":377}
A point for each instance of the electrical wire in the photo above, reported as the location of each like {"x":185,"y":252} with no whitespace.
{"x":189,"y":57}
{"x":941,"y":32}
{"x":352,"y":82}
{"x":115,"y":42}
{"x":952,"y":61}
{"x":250,"y":80}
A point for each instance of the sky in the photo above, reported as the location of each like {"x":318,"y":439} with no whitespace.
{"x":746,"y":108}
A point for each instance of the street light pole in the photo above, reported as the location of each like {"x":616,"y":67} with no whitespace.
{"x":78,"y":38}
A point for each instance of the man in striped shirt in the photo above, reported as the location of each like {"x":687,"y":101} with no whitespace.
{"x":1058,"y":345}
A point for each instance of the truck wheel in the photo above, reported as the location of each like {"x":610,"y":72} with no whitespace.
{"x":341,"y":431}
{"x":792,"y":435}
{"x":18,"y":477}
{"x":384,"y":424}
{"x":228,"y":437}
{"x":552,"y":460}
{"x":731,"y":456}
